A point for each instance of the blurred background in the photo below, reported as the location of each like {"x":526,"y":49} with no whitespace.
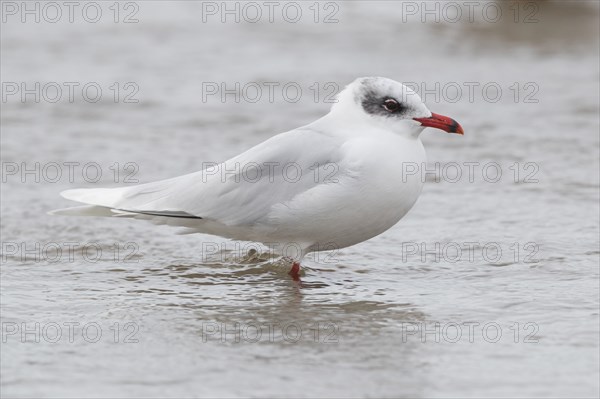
{"x":113,"y":93}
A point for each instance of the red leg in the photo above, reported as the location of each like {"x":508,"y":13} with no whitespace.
{"x":295,"y":271}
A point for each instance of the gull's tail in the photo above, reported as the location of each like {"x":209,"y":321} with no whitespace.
{"x":90,"y":210}
{"x":99,"y":202}
{"x":129,"y":202}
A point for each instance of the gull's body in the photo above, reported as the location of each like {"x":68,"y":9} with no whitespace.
{"x":330,"y":184}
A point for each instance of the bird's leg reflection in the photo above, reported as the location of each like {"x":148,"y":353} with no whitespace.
{"x":295,"y":271}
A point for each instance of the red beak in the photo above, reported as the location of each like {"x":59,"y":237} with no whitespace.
{"x":441,"y":122}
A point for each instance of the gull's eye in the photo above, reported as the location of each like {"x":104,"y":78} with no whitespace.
{"x":391,"y":105}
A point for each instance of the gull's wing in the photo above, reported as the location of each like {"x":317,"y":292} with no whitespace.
{"x":240,"y":191}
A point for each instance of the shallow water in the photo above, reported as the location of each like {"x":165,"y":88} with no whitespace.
{"x":427,"y":309}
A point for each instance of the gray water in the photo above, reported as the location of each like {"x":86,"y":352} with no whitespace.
{"x":489,"y":287}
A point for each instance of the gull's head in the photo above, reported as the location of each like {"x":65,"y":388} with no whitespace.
{"x":389,"y":105}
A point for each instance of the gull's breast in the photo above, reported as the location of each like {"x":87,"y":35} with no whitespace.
{"x":374,"y":190}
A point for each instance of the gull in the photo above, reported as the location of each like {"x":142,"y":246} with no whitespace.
{"x":333,"y":183}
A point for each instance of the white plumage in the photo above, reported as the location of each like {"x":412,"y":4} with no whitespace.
{"x":331,"y":184}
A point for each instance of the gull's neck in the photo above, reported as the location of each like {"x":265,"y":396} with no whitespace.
{"x":334,"y":124}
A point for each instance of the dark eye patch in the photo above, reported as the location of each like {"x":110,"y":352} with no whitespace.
{"x":385,"y":106}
